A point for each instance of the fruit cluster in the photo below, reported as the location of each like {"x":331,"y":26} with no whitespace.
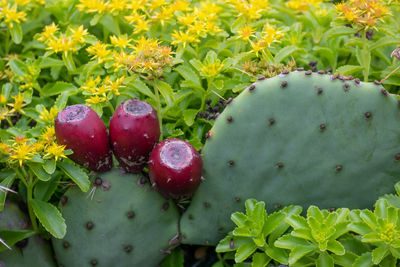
{"x":175,"y":167}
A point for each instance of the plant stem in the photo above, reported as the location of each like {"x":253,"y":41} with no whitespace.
{"x":158,"y":102}
{"x":30,"y":210}
{"x":110,"y":106}
{"x":209,"y":84}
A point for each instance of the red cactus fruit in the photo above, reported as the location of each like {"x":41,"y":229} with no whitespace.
{"x":80,"y":129}
{"x":175,"y":168}
{"x":134,"y":130}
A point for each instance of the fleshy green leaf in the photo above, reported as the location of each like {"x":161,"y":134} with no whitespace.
{"x":381,"y":208}
{"x":189,"y":75}
{"x":68,"y":61}
{"x":297,"y":221}
{"x":44,"y":190}
{"x":166,"y":91}
{"x":239,"y":219}
{"x":49,"y":166}
{"x":7,"y":182}
{"x":286,"y":52}
{"x":365,"y":260}
{"x":16,"y":33}
{"x":50,"y":217}
{"x":324,"y":260}
{"x":278,"y":254}
{"x":379,"y":253}
{"x":369,"y":218}
{"x":349,"y":69}
{"x":76,"y":174}
{"x":298,"y":252}
{"x":189,"y":115}
{"x":272,"y":222}
{"x":58,"y":88}
{"x":260,"y":260}
{"x":142,"y":88}
{"x":10,"y":237}
{"x":335,"y":247}
{"x":244,"y":251}
{"x":290,"y":242}
{"x":40,"y":173}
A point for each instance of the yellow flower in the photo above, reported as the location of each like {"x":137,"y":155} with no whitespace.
{"x":245,"y":32}
{"x":154,"y":4}
{"x":120,"y":41}
{"x":48,"y":116}
{"x":212,"y":69}
{"x":135,"y":17}
{"x":141,"y":25}
{"x":96,"y":99}
{"x":79,"y":34}
{"x":115,"y":6}
{"x":62,"y":44}
{"x":18,"y":104}
{"x":48,"y":32}
{"x":48,"y":136}
{"x":99,"y":51}
{"x":21,"y":150}
{"x":91,"y":85}
{"x":270,"y":35}
{"x":165,"y":14}
{"x":114,"y":86}
{"x":183,"y":38}
{"x":186,"y":20}
{"x":11,"y":15}
{"x":3,"y":99}
{"x":258,"y":46}
{"x":54,"y":150}
{"x":92,"y":6}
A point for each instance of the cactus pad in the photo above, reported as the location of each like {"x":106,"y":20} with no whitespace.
{"x":123,"y":222}
{"x":298,"y":138}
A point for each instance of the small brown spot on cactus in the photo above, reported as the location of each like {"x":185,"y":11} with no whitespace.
{"x":346,"y":87}
{"x":338,"y":168}
{"x":309,"y":72}
{"x":319,"y":91}
{"x":65,"y":244}
{"x":285,"y":72}
{"x":64,"y":200}
{"x":206,"y":204}
{"x":278,"y":206}
{"x":261,"y":78}
{"x":334,"y":77}
{"x":231,"y":163}
{"x":357,"y":81}
{"x":300,"y":69}
{"x":332,"y":209}
{"x":208,"y":134}
{"x":229,"y":100}
{"x":106,"y":185}
{"x":190,"y":217}
{"x":321,"y":72}
{"x":384,"y":92}
{"x":229,"y":119}
{"x":252,"y":87}
{"x":217,"y":115}
{"x":130,"y":214}
{"x":377,"y":82}
{"x":93,"y":262}
{"x":271,"y":121}
{"x":98,"y":181}
{"x":284,"y":84}
{"x":368,"y":115}
{"x":165,"y":206}
{"x":322,"y":127}
{"x":231,"y":244}
{"x":220,"y":228}
{"x":237,"y":199}
{"x":21,"y":244}
{"x":89,"y":225}
{"x":397,"y":156}
{"x":128,"y":248}
{"x":279,"y":165}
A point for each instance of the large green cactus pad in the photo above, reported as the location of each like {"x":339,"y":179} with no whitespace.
{"x":124,"y":223}
{"x":298,"y":138}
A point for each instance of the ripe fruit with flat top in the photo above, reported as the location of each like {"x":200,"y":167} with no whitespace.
{"x":175,"y":168}
{"x":134,"y":130}
{"x":80,"y":129}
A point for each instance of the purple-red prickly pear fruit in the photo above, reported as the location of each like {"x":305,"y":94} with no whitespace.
{"x":134,"y":130}
{"x":80,"y":129}
{"x":175,"y":168}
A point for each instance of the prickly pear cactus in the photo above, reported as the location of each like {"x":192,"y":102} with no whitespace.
{"x":298,"y":138}
{"x":122,"y":222}
{"x":33,"y":251}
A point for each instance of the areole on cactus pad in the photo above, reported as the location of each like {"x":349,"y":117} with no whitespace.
{"x":298,"y":138}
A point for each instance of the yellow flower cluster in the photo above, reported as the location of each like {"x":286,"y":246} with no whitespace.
{"x":364,"y":13}
{"x":48,"y":116}
{"x":10,"y":14}
{"x":301,"y":5}
{"x":71,"y":40}
{"x":20,"y":148}
{"x":250,"y":9}
{"x":100,"y":91}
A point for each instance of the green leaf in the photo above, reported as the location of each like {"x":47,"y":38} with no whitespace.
{"x":189,"y":75}
{"x":339,"y":31}
{"x":68,"y":61}
{"x":49,"y":166}
{"x":384,"y":41}
{"x":277,"y":254}
{"x":298,"y":252}
{"x":297,"y":221}
{"x":397,"y":188}
{"x":344,"y":260}
{"x":371,"y":238}
{"x":395,"y":252}
{"x":48,"y":62}
{"x":40,"y":173}
{"x":381,"y":206}
{"x":335,"y":247}
{"x":239,"y":219}
{"x":290,"y":242}
{"x":244,"y":251}
{"x":231,"y":243}
{"x":189,"y":115}
{"x":359,"y":228}
{"x":7,"y":182}
{"x":166,"y":91}
{"x":45,"y":190}
{"x":61,"y":101}
{"x":142,"y":88}
{"x":324,"y":260}
{"x":174,"y":259}
{"x":76,"y":174}
{"x":18,"y":67}
{"x":260,"y":260}
{"x":272,"y":222}
{"x":365,"y":260}
{"x":349,"y":69}
{"x":50,"y":217}
{"x":10,"y":237}
{"x":16,"y":32}
{"x":58,"y":88}
{"x":285,"y":52}
{"x":379,"y":253}
{"x":304,"y":233}
{"x":369,"y":218}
